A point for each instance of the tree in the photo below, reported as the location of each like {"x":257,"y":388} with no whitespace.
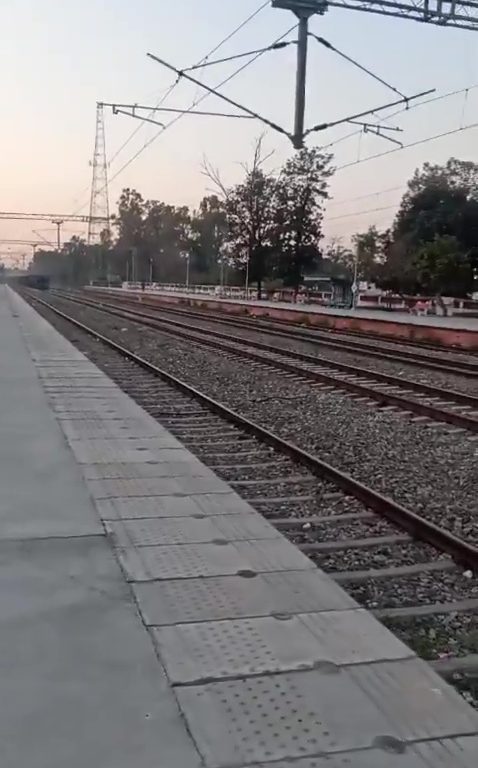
{"x":438,"y":214}
{"x":370,"y":252}
{"x":249,"y":208}
{"x":166,"y":238}
{"x":129,"y":222}
{"x":300,"y":192}
{"x":75,"y":264}
{"x":439,"y":201}
{"x":209,"y":229}
{"x":152,"y":235}
{"x":338,"y":261}
{"x":442,"y":268}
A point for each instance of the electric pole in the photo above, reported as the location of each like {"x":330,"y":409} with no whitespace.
{"x":58,"y":223}
{"x":303,"y":9}
{"x":99,"y":218}
{"x":462,"y":14}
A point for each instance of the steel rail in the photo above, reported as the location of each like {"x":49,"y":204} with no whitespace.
{"x":460,"y":550}
{"x":456,"y":368}
{"x":431,"y":411}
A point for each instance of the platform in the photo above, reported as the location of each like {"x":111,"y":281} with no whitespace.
{"x":449,"y":331}
{"x":150,"y":618}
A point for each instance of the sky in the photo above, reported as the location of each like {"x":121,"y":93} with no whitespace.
{"x":59,"y":57}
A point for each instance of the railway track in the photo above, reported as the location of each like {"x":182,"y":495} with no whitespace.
{"x":417,"y":577}
{"x":425,"y":401}
{"x":452,"y":362}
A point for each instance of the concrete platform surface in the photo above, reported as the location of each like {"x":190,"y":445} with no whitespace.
{"x":149,"y":617}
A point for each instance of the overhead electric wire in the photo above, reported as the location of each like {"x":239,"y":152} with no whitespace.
{"x":408,"y":146}
{"x":360,"y":213}
{"x":201,"y":98}
{"x":331,"y":47}
{"x":363,"y":197}
{"x":423,"y":103}
{"x":118,"y":107}
{"x":138,"y":127}
{"x":351,"y":118}
{"x":273,"y":47}
{"x":192,"y":106}
{"x":219,"y":95}
{"x":199,"y":63}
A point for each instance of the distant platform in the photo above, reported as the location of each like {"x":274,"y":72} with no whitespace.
{"x":457,"y":332}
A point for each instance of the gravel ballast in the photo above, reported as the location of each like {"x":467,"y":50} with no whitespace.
{"x":358,"y":359}
{"x":433,"y":470}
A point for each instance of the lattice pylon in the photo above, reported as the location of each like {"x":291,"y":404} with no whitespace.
{"x":99,"y":219}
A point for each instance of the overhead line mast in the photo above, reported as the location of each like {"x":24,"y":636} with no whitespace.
{"x":449,"y":13}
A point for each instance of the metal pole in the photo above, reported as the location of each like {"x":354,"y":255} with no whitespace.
{"x":298,"y":137}
{"x":247,"y":276}
{"x":187,"y":272}
{"x":355,"y":283}
{"x":150,"y":269}
{"x":58,"y":223}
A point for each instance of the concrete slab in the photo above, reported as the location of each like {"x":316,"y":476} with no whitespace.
{"x":190,"y":484}
{"x":184,"y":561}
{"x":267,"y":718}
{"x":190,"y":530}
{"x":33,"y":453}
{"x":449,"y":753}
{"x":224,"y":597}
{"x":100,"y":451}
{"x":81,"y":685}
{"x":206,"y":504}
{"x":187,"y":561}
{"x":215,"y":650}
{"x":124,"y":471}
{"x":79,"y":429}
{"x":353,"y":637}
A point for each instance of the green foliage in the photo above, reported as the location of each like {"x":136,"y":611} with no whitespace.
{"x":433,"y":245}
{"x":299,"y":195}
{"x":442,"y":268}
{"x":208,"y":230}
{"x":250,"y":220}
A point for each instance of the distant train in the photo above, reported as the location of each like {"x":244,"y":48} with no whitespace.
{"x":40,"y":282}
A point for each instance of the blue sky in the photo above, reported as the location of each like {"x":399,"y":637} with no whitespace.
{"x":59,"y":57}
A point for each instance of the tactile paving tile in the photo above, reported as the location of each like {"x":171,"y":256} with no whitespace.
{"x":78,"y":384}
{"x":222,"y":504}
{"x":354,"y":637}
{"x":219,"y":649}
{"x":273,"y":555}
{"x":225,"y":597}
{"x":450,"y":753}
{"x":189,"y":530}
{"x":190,"y":560}
{"x":148,"y":506}
{"x":70,"y":371}
{"x":413,"y":697}
{"x":134,"y":487}
{"x":77,"y":429}
{"x":124,"y":471}
{"x":180,"y":561}
{"x":99,"y":451}
{"x":292,"y":715}
{"x":156,"y":486}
